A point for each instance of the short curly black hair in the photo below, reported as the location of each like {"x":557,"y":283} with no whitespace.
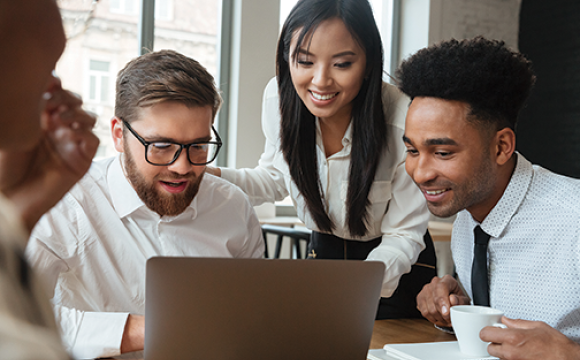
{"x":494,"y":80}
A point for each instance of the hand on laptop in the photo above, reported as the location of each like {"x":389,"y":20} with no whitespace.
{"x":134,"y":334}
{"x":528,"y":340}
{"x":35,"y":179}
{"x":437,"y":297}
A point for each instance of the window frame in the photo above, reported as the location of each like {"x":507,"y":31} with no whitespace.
{"x":99,"y":75}
{"x":122,"y":9}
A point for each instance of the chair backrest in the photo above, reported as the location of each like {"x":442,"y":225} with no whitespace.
{"x":295,"y":235}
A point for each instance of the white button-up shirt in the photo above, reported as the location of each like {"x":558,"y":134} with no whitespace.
{"x":92,"y":247}
{"x":534,"y":249}
{"x":398,"y":211}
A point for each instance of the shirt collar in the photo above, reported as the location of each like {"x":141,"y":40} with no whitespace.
{"x":124,"y":197}
{"x":501,"y":214}
{"x":126,"y":201}
{"x":346,"y":139}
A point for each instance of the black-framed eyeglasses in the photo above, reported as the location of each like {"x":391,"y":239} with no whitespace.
{"x":163,"y":153}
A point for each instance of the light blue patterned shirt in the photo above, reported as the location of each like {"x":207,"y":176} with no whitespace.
{"x":534,"y":250}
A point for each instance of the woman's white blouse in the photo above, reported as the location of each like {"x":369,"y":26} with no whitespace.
{"x":398,"y":210}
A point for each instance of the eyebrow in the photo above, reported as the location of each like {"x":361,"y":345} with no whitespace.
{"x":344,"y":53}
{"x":165,"y":139}
{"x":440,"y":141}
{"x":431,"y":142}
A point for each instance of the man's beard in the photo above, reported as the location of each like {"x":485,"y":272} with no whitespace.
{"x":161,"y":203}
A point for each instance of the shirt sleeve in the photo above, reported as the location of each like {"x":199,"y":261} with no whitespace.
{"x":89,"y":335}
{"x":255,"y":247}
{"x":264,"y":183}
{"x":403,"y":227}
{"x":405,"y":223}
{"x":86,"y":335}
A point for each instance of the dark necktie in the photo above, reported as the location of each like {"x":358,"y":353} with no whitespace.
{"x":479,"y":277}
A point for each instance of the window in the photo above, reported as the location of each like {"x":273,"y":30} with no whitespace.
{"x":164,"y":10}
{"x":126,"y":7}
{"x":99,"y":81}
{"x":193,"y":31}
{"x":103,"y":37}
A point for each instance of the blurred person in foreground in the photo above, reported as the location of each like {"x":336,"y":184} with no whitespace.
{"x":515,"y":241}
{"x":46,"y":145}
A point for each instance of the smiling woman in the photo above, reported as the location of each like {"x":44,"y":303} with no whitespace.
{"x":333,"y":131}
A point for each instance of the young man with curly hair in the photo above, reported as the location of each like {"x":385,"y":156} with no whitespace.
{"x":515,"y":240}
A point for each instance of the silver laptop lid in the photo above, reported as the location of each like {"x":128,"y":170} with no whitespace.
{"x":207,"y":308}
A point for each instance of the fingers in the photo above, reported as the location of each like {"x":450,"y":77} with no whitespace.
{"x":74,"y":117}
{"x":54,"y":84}
{"x":214,"y":171}
{"x":519,"y":323}
{"x":75,"y":149}
{"x":61,"y":101}
{"x":64,"y":109}
{"x":459,"y":300}
{"x":493,"y":334}
{"x":515,"y":329}
{"x":434,"y":301}
{"x":69,"y":128}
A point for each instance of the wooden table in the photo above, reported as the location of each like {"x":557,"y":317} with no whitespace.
{"x":406,"y":331}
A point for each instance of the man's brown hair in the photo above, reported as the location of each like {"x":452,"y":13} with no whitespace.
{"x":161,"y":76}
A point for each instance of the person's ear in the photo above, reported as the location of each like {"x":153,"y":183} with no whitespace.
{"x":505,"y":145}
{"x":117,"y":133}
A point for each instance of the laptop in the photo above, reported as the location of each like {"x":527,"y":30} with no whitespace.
{"x":229,"y":309}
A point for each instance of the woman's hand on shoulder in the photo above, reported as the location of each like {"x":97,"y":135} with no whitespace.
{"x":215,"y":171}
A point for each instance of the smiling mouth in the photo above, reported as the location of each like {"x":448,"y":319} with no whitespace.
{"x":172,"y":184}
{"x":323,"y":97}
{"x":436,"y":192}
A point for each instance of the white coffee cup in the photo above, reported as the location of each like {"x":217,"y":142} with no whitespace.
{"x":467,"y":321}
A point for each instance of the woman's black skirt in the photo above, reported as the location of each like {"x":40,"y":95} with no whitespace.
{"x":403,"y":303}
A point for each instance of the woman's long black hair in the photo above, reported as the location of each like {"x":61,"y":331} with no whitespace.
{"x":298,"y":129}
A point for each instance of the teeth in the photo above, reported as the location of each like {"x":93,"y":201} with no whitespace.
{"x":172,"y":184}
{"x":323,"y":97}
{"x":437,"y":192}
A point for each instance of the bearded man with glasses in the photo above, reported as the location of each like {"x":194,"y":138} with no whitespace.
{"x":153,"y":199}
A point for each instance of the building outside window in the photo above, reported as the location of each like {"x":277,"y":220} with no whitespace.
{"x":103,"y":37}
{"x":126,"y":7}
{"x":99,"y":82}
{"x":163,"y":8}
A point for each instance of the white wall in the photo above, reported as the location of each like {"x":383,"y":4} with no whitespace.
{"x":425,"y":22}
{"x":460,"y":19}
{"x":414,"y":30}
{"x":255,"y":30}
